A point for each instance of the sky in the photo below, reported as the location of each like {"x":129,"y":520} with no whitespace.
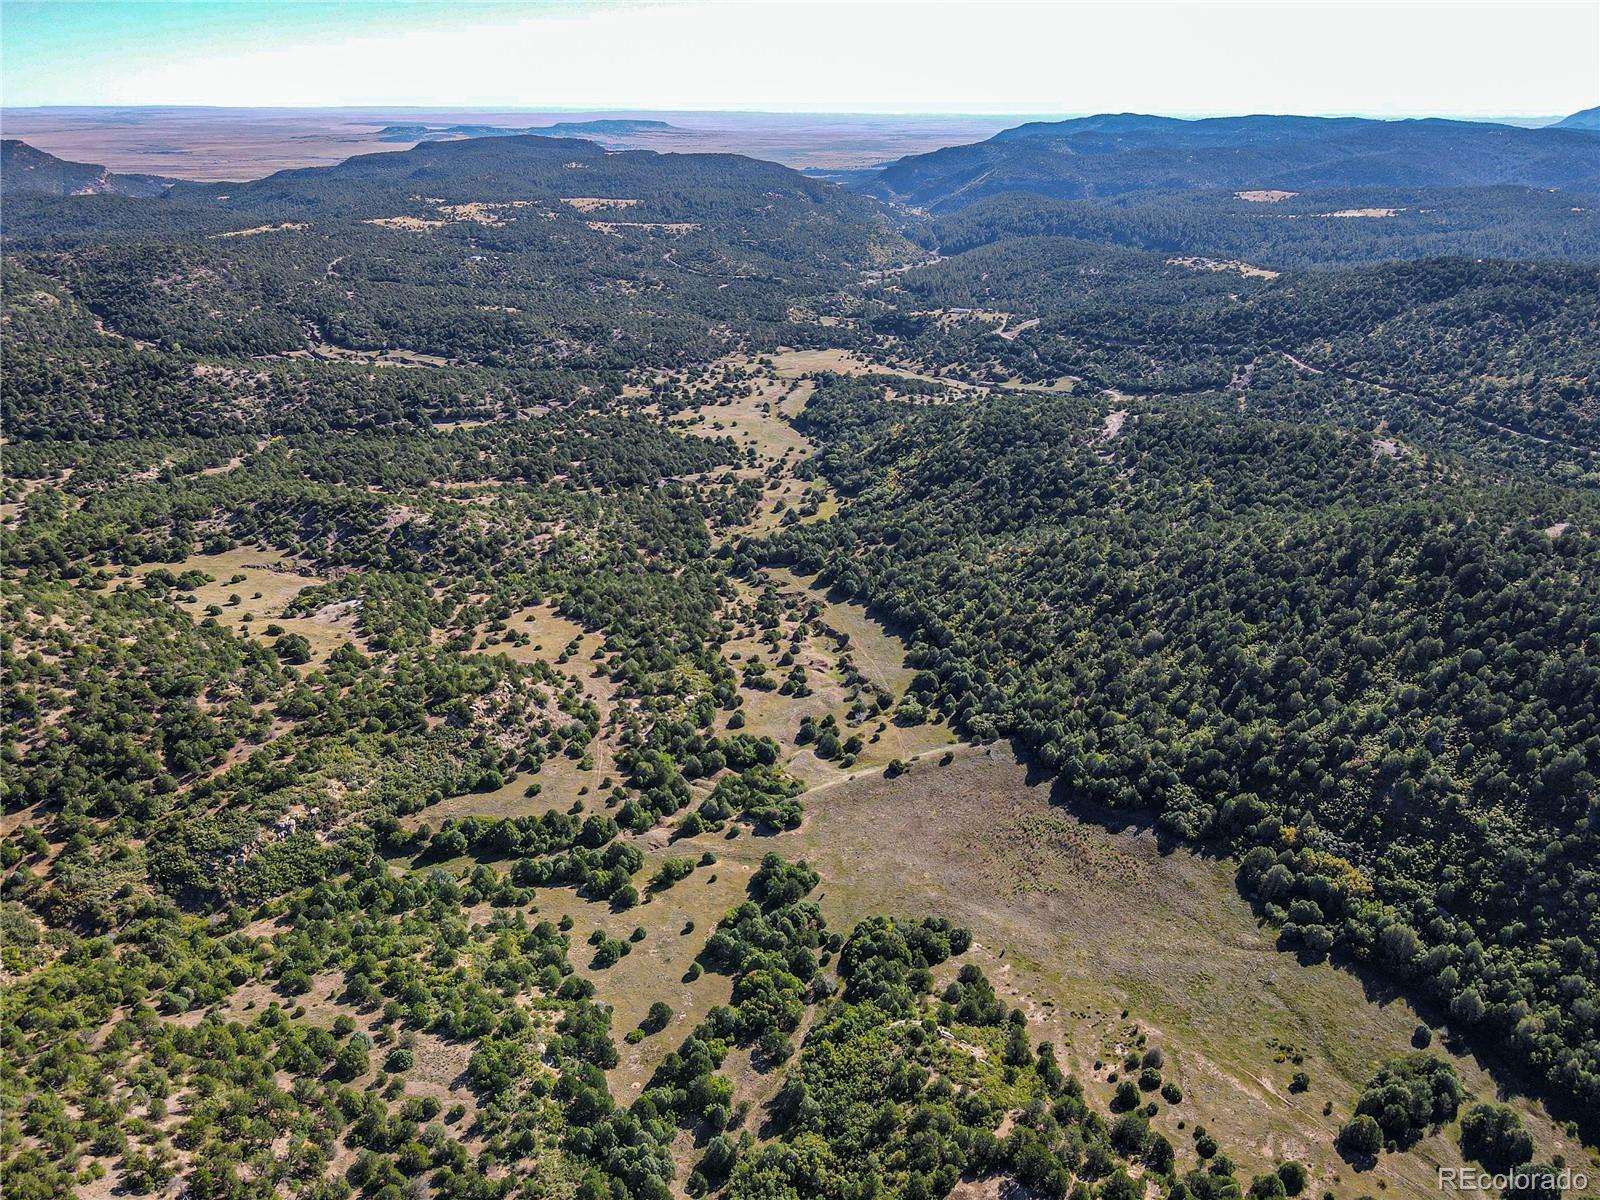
{"x":865,"y":56}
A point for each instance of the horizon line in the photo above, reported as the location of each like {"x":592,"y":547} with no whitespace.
{"x":1054,"y":115}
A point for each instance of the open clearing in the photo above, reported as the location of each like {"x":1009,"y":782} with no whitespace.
{"x":791,"y":364}
{"x":328,"y":352}
{"x":758,"y":418}
{"x":588,"y":204}
{"x":415,"y":224}
{"x":270,"y":582}
{"x":285,"y":227}
{"x":877,"y":649}
{"x":1077,"y":921}
{"x":875,"y":652}
{"x":1215,"y":264}
{"x":562,"y":780}
{"x":612,"y":227}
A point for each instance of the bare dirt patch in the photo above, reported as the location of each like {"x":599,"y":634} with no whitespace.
{"x":588,"y":204}
{"x":414,"y":224}
{"x":270,"y":582}
{"x":614,"y":228}
{"x":377,"y":358}
{"x":1222,"y":264}
{"x":1266,"y":195}
{"x":285,"y":227}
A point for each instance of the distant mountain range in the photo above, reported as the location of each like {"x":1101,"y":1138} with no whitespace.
{"x":595,"y":131}
{"x":1111,"y":155}
{"x":26,"y":171}
{"x":1588,"y":119}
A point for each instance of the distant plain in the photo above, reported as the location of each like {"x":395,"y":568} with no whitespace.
{"x":218,"y":144}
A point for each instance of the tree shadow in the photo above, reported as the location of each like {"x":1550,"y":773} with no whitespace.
{"x":1357,"y":1160}
{"x":1378,"y":986}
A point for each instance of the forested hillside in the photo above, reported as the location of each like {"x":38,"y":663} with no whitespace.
{"x":1348,"y":225}
{"x":1500,"y":356}
{"x":635,"y":258}
{"x":511,"y":654}
{"x":1110,"y":155}
{"x":1357,"y":665}
{"x":26,"y":171}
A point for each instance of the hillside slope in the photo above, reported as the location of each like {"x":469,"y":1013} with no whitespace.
{"x":28,"y":171}
{"x":489,"y":251}
{"x":1587,"y":118}
{"x":1112,"y":155}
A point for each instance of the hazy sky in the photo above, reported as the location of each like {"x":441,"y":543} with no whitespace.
{"x":1303,"y":56}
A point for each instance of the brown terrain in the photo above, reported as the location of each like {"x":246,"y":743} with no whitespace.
{"x":213,"y":144}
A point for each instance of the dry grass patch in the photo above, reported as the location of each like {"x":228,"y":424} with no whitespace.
{"x":874,"y":650}
{"x":757,"y":420}
{"x":588,"y":204}
{"x":285,"y":227}
{"x":414,"y":224}
{"x":328,"y":352}
{"x":1194,"y":263}
{"x":480,"y":212}
{"x":879,"y":650}
{"x":270,"y":582}
{"x":549,"y":635}
{"x":654,"y":968}
{"x":476,"y":214}
{"x":1077,"y":920}
{"x":791,"y":364}
{"x":614,"y":228}
{"x":562,"y":781}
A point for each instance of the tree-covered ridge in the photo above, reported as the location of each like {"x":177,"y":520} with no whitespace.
{"x":1376,"y":671}
{"x":69,"y":379}
{"x":32,"y":172}
{"x":1116,"y":155}
{"x":1495,"y":359}
{"x":496,"y":251}
{"x":1344,"y":226}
